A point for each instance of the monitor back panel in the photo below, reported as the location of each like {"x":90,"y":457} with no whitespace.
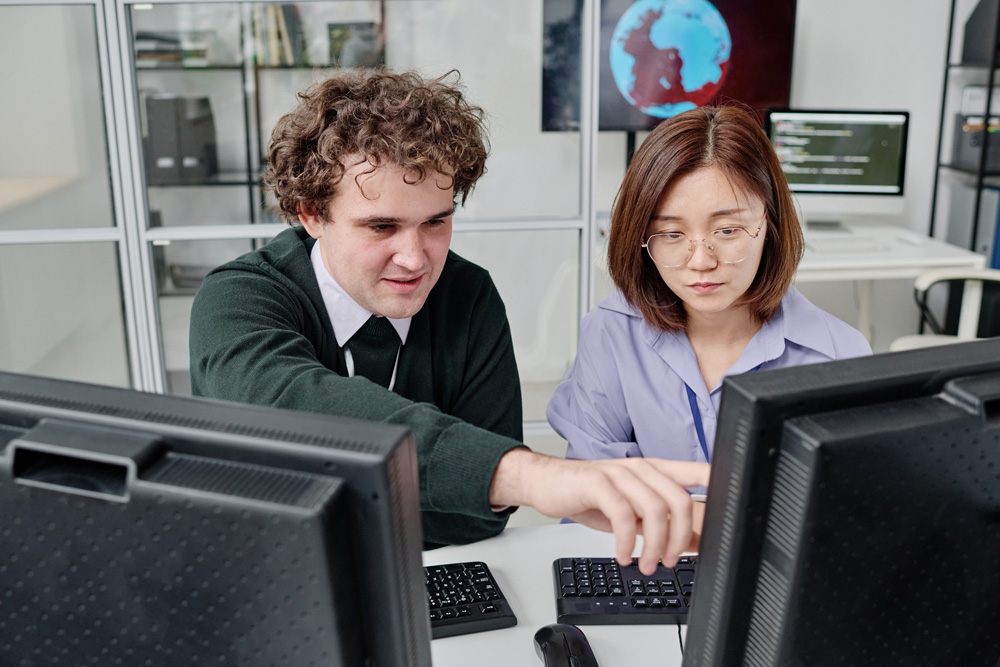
{"x":197,"y":561}
{"x":882,"y":545}
{"x":378,"y":498}
{"x":755,"y":407}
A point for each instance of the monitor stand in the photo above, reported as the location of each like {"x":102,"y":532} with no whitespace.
{"x":826,"y":226}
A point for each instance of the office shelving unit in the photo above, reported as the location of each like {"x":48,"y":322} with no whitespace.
{"x":246,"y":62}
{"x":965,"y":205}
{"x":210,"y":79}
{"x":198,"y":100}
{"x":963,"y":141}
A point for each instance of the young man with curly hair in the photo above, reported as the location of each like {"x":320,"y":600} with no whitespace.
{"x":368,"y":169}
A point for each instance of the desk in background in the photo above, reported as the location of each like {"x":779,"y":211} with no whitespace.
{"x":521,"y":560}
{"x":865,"y":254}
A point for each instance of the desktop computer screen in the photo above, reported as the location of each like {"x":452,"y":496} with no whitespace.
{"x":853,"y":515}
{"x":148,"y":529}
{"x":841,"y":152}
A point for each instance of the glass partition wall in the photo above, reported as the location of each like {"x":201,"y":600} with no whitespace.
{"x":63,"y":306}
{"x":136,"y":167}
{"x":232,"y":69}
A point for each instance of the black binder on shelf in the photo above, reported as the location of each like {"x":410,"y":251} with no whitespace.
{"x":959,"y":231}
{"x":196,"y":139}
{"x":968,"y":146}
{"x":979,"y":34}
{"x":181,"y":144}
{"x":161,"y":143}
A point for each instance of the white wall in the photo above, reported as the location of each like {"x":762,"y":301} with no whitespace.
{"x":876,"y":54}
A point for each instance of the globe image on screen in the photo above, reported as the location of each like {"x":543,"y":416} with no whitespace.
{"x":668,"y":56}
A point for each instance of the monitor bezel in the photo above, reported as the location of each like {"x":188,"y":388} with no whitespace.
{"x":901,"y":175}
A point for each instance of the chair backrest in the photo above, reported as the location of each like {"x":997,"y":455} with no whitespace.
{"x":968,"y":287}
{"x":977,"y":315}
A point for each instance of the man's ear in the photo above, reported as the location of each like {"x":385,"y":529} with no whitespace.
{"x":310,"y":220}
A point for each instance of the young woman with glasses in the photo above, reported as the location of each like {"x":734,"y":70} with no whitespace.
{"x":704,"y":244}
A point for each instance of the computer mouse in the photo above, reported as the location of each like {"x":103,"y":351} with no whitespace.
{"x":564,"y":645}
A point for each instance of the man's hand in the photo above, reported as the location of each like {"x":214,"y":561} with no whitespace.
{"x":626,"y":497}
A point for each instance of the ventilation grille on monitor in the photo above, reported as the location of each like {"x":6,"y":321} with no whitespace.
{"x":788,"y":509}
{"x":773,"y":594}
{"x":408,"y":532}
{"x":767,"y":618}
{"x":107,"y":405}
{"x":724,"y":554}
{"x":269,"y":485}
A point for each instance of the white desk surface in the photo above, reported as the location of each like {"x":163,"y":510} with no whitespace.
{"x":864,"y":254}
{"x":858,"y":252}
{"x":521,"y":560}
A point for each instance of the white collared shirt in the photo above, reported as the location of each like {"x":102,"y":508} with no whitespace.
{"x":346,"y":315}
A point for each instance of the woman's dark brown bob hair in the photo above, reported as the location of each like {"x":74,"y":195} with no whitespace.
{"x":423,"y":126}
{"x":732,"y":140}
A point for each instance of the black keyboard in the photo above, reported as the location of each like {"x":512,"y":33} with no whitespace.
{"x":598,"y":591}
{"x":464,"y":598}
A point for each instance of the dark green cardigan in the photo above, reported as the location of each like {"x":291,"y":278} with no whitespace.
{"x":260,"y":334}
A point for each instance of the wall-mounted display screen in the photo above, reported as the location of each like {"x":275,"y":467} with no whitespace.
{"x":661,"y":57}
{"x":841,"y":152}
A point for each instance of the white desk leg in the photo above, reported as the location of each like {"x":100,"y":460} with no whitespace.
{"x":866,"y":290}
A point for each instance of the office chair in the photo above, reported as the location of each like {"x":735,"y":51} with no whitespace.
{"x":969,"y":316}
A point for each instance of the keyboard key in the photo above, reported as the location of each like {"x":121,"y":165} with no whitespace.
{"x":621,"y":595}
{"x":464,"y":598}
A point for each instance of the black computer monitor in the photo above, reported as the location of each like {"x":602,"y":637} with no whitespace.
{"x":148,"y":529}
{"x":841,"y":152}
{"x":853,"y":515}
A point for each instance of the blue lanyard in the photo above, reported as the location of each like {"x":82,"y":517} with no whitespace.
{"x":696,"y":414}
{"x":698,"y":427}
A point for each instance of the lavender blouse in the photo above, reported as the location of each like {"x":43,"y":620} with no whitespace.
{"x":626,"y":393}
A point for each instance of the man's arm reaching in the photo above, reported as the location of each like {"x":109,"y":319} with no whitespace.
{"x":626,"y":497}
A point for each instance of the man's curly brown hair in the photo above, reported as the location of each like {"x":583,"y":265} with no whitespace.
{"x":423,"y":126}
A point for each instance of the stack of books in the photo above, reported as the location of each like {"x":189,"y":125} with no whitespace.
{"x":278,"y":35}
{"x":171,"y":49}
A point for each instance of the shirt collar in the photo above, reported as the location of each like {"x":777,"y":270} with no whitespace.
{"x":795,"y":322}
{"x":346,"y":315}
{"x":799,"y":324}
